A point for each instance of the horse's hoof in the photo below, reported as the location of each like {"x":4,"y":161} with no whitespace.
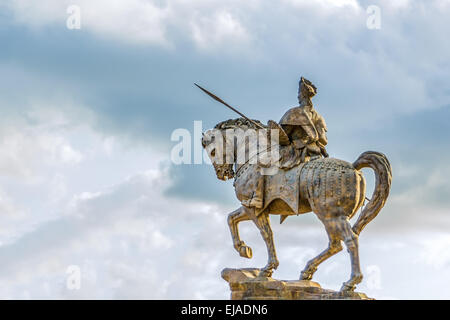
{"x":307,"y":273}
{"x":347,"y":288}
{"x":351,"y":284}
{"x":265,"y":274}
{"x":305,"y":276}
{"x":245,"y":252}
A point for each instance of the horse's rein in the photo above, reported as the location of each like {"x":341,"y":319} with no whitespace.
{"x":246,"y":162}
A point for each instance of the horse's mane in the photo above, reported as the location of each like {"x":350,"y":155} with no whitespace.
{"x":237,"y":123}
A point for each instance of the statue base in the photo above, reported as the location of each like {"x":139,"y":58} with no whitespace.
{"x":246,"y":285}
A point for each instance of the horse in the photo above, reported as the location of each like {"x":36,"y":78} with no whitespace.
{"x":333,"y":189}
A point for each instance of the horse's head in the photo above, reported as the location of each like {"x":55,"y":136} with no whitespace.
{"x":219,"y":152}
{"x":222,"y":142}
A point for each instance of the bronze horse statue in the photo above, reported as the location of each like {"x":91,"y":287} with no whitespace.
{"x":331,"y":188}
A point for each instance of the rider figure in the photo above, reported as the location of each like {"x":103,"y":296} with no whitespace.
{"x":304,"y":126}
{"x":302,"y":135}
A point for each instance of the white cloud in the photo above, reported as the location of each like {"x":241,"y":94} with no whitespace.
{"x":118,"y":237}
{"x":400,"y":4}
{"x":325,"y":4}
{"x":135,"y":20}
{"x":132,"y":20}
{"x":382,"y":71}
{"x":47,"y":154}
{"x":73,"y":196}
{"x":7,"y":207}
{"x":435,"y":252}
{"x":211,"y":32}
{"x":141,"y":21}
{"x":25,"y":147}
{"x":131,"y":241}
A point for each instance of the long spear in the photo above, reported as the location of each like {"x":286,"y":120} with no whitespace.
{"x":226,"y":104}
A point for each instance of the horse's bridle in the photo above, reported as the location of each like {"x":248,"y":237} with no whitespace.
{"x":247,"y":162}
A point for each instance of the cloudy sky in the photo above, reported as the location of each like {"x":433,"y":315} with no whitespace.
{"x":86,"y":178}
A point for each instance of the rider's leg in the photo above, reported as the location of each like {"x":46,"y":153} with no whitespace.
{"x":257,"y":200}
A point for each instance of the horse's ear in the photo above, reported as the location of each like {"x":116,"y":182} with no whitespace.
{"x":203,"y":140}
{"x":204,"y":137}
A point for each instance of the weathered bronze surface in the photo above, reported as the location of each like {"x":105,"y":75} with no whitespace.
{"x":307,"y":180}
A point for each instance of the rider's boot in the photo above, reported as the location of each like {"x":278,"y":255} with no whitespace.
{"x":258,"y":196}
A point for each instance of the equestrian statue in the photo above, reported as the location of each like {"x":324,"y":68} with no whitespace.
{"x":305,"y":180}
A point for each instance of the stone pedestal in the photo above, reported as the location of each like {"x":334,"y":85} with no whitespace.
{"x":246,"y":285}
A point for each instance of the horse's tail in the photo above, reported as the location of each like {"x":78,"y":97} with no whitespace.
{"x":383,"y":175}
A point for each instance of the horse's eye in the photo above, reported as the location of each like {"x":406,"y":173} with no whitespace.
{"x":213,"y":153}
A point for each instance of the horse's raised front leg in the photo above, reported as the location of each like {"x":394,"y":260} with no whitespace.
{"x":263,"y":224}
{"x":233,"y":220}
